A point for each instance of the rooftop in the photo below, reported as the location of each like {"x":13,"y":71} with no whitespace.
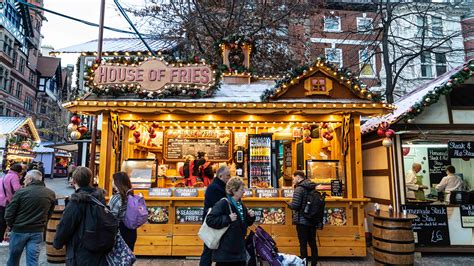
{"x":120,"y":44}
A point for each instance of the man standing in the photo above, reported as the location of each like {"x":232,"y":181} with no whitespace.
{"x":8,"y":185}
{"x":450,"y":182}
{"x":27,"y":215}
{"x":214,"y":193}
{"x":414,"y":187}
{"x":71,"y":228}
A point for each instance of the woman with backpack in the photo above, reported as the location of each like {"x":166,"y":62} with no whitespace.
{"x":202,"y":169}
{"x":305,"y":228}
{"x":118,"y":205}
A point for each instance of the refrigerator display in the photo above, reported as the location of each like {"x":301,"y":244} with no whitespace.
{"x":260,"y":160}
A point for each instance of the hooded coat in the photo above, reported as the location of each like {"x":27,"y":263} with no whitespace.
{"x":70,"y":230}
{"x":299,"y":198}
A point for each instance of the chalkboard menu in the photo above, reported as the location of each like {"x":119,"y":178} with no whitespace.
{"x":438,"y":159}
{"x":336,"y":188}
{"x":217,"y":144}
{"x":461,"y":149}
{"x":467,"y":215}
{"x":431,"y":226}
{"x":269,"y":215}
{"x":189,"y":215}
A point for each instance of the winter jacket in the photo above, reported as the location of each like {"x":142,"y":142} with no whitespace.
{"x":8,"y":185}
{"x":214,"y":193}
{"x":232,"y":244}
{"x":70,"y":229}
{"x":30,"y":208}
{"x":299,"y":199}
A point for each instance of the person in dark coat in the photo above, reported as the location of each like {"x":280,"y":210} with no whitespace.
{"x":202,"y":168}
{"x":70,"y":230}
{"x":306,"y":229}
{"x":214,"y":193}
{"x":231,"y":212}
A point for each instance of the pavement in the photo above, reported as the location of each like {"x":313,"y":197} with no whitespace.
{"x":62,"y":189}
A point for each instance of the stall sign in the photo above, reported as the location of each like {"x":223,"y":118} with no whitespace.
{"x":287,"y":193}
{"x":159,"y":192}
{"x":186,"y":192}
{"x":335,"y":216}
{"x":248,"y":193}
{"x":467,"y":215}
{"x":336,"y":188}
{"x":189,"y":215}
{"x":158,"y":215}
{"x":438,"y":159}
{"x":269,"y":215}
{"x":267,"y":193}
{"x":461,"y":149}
{"x":154,"y":75}
{"x":431,"y":226}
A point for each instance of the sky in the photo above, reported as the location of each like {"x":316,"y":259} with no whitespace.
{"x":60,"y":32}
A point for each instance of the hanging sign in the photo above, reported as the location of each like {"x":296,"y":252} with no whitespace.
{"x":461,"y":149}
{"x":154,"y":74}
{"x":438,"y":159}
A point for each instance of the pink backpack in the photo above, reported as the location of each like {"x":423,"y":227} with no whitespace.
{"x":136,"y":213}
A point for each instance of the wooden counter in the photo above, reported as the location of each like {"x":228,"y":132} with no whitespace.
{"x":343,"y":234}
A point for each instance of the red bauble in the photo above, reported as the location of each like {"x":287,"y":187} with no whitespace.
{"x":152,"y":136}
{"x":137,"y":140}
{"x":329,"y":136}
{"x":82,"y":130}
{"x":466,"y":69}
{"x":380,"y":132}
{"x":154,"y":125}
{"x":75,"y":120}
{"x":406,"y":151}
{"x":384,"y":125}
{"x":324,"y":125}
{"x":196,"y":59}
{"x":389,"y":133}
{"x":133,"y":126}
{"x":151,"y":130}
{"x":136,"y":134}
{"x":307,"y":139}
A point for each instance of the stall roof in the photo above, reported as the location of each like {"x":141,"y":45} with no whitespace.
{"x":120,"y":44}
{"x":405,"y":103}
{"x":10,"y":125}
{"x":66,"y":146}
{"x":42,"y":149}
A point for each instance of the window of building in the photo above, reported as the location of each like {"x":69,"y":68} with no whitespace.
{"x":426,"y":71}
{"x":21,"y":67}
{"x":42,"y":84}
{"x":364,"y":25}
{"x":43,"y":108}
{"x":8,"y":112}
{"x":332,"y":23}
{"x":7,"y":45}
{"x":2,"y":108}
{"x":14,"y":58}
{"x":4,"y":78}
{"x":421,"y":25}
{"x":367,"y":63}
{"x":19,"y":89}
{"x":11,"y":86}
{"x":28,"y":103}
{"x":334,"y":55}
{"x":440,"y":61}
{"x":437,"y":26}
{"x":12,"y":15}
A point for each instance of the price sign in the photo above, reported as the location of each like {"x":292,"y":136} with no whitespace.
{"x":248,"y":193}
{"x":267,"y":193}
{"x":467,"y":216}
{"x":189,"y":215}
{"x":287,"y":193}
{"x":159,"y":192}
{"x":336,"y":188}
{"x":185,"y":192}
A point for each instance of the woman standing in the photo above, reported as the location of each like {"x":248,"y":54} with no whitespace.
{"x":231,"y":212}
{"x":202,"y":169}
{"x":118,"y":206}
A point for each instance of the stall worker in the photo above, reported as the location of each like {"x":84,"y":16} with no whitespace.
{"x":202,"y":169}
{"x":414,"y":184}
{"x":450,"y":182}
{"x":186,"y":170}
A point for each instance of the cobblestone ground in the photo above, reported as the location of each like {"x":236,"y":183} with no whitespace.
{"x":61,"y":189}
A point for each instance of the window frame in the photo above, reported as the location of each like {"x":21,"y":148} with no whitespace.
{"x":426,"y":64}
{"x":339,"y":29}
{"x":372,"y":62}
{"x":339,"y":51}
{"x":438,"y":64}
{"x":365,"y":31}
{"x":437,"y":33}
{"x":18,"y":90}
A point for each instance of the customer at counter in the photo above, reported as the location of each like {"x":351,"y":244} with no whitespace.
{"x":450,"y":182}
{"x":413,"y":183}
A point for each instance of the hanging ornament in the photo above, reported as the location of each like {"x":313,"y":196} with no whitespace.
{"x":133,"y":126}
{"x":324,"y":125}
{"x":131,"y":141}
{"x":330,"y":128}
{"x":152,"y":135}
{"x":380,"y":132}
{"x":384,"y":125}
{"x":136,"y":134}
{"x":329,"y":136}
{"x":151,"y":130}
{"x":82,"y":130}
{"x":71,"y":127}
{"x":387,"y":142}
{"x":75,"y":120}
{"x":154,"y":125}
{"x":307,"y":139}
{"x":137,"y":140}
{"x":406,"y":151}
{"x":25,"y":145}
{"x":390,"y":133}
{"x":306,"y":133}
{"x":75,"y":135}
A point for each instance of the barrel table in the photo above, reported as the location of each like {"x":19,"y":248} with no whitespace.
{"x":392,"y":238}
{"x":54,"y":255}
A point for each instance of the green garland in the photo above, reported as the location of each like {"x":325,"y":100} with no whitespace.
{"x":176,"y":91}
{"x":432,"y":97}
{"x":341,"y":74}
{"x":236,"y":41}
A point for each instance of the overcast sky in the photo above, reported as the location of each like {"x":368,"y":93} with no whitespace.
{"x":60,"y":32}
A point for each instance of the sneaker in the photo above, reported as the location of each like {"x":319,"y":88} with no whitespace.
{"x":4,"y":244}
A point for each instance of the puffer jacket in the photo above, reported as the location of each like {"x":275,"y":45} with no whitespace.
{"x":70,"y":230}
{"x":298,"y":202}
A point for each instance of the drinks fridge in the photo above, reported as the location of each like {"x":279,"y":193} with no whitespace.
{"x":260,"y":160}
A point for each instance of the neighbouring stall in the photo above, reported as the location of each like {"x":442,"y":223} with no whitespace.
{"x":433,"y":126}
{"x":18,"y":137}
{"x":55,"y":161}
{"x":157,"y":111}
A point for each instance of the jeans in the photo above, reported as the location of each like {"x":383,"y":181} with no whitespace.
{"x":307,"y":236}
{"x":206,"y":257}
{"x":18,"y":241}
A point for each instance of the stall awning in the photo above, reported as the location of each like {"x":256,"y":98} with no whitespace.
{"x":23,"y":125}
{"x":70,"y":147}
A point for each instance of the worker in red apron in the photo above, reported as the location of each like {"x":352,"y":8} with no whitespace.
{"x":202,"y":169}
{"x":186,"y":171}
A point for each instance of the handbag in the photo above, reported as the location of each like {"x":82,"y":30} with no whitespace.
{"x":211,"y":236}
{"x":120,"y":254}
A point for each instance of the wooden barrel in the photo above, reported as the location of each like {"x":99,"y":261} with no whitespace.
{"x":54,"y":255}
{"x":392,"y":240}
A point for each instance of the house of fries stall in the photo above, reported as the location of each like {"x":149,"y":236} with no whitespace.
{"x":155,"y":112}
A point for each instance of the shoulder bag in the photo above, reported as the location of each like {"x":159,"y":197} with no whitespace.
{"x":210,"y":236}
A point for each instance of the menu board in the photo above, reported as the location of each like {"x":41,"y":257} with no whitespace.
{"x":157,"y":215}
{"x":461,"y":149}
{"x":269,"y":215}
{"x":467,"y":215}
{"x":438,"y":159}
{"x":431,"y":226}
{"x":189,"y":215}
{"x":217,"y":144}
{"x":336,"y":188}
